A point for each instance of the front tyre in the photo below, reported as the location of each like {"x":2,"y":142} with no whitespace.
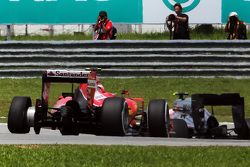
{"x":17,"y":117}
{"x":158,"y":118}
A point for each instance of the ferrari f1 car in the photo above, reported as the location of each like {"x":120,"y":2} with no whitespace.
{"x":75,"y":102}
{"x":189,"y":117}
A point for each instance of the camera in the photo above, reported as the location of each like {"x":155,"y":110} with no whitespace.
{"x":233,"y":19}
{"x":171,"y":17}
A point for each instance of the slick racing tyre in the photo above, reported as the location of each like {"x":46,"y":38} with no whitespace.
{"x":158,"y":118}
{"x":114,"y":117}
{"x":180,"y":129}
{"x":68,"y":125}
{"x":248,"y":128}
{"x":17,"y":118}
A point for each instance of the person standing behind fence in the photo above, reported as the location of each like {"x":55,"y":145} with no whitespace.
{"x":103,"y":28}
{"x":178,"y":23}
{"x":235,"y":28}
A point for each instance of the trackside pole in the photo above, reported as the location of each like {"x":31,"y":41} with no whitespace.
{"x":8,"y":33}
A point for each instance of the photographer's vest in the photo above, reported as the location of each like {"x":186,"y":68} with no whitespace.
{"x":105,"y":36}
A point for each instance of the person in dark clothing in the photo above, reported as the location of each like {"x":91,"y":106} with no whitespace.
{"x":178,"y":24}
{"x":235,"y":28}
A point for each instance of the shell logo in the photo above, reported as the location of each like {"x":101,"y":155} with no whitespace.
{"x":187,"y":5}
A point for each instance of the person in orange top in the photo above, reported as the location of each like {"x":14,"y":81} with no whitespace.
{"x":103,"y":27}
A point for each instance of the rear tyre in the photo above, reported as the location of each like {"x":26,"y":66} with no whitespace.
{"x":68,"y":125}
{"x":248,"y":123}
{"x":158,"y":118}
{"x":114,"y":116}
{"x":180,"y":129}
{"x":17,"y":117}
{"x":247,"y":135}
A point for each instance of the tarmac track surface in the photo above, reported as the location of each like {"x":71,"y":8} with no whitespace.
{"x":54,"y":137}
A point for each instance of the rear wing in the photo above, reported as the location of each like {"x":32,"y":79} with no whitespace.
{"x":227,"y":99}
{"x":69,"y":76}
{"x":66,"y":76}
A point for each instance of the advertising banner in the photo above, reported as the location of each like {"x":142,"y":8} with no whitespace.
{"x":119,"y":11}
{"x":242,"y":7}
{"x":68,"y":11}
{"x":199,"y":11}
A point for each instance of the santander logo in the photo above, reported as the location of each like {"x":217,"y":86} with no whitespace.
{"x":69,"y":74}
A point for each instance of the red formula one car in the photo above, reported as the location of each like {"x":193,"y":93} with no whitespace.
{"x":75,"y":102}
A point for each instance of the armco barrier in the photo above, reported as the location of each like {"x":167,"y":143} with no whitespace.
{"x":128,"y":58}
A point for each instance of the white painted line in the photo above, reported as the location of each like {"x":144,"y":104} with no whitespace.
{"x":226,"y":123}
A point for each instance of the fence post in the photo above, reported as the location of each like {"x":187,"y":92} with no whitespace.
{"x":140,"y":28}
{"x":8,"y":33}
{"x":26,"y":30}
{"x":51,"y":30}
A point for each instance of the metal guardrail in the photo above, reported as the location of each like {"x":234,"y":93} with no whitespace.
{"x":128,"y":58}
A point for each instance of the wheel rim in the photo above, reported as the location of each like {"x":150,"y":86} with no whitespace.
{"x":125,"y":118}
{"x":166,"y":119}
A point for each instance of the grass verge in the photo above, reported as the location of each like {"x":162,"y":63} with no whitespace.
{"x":148,"y":88}
{"x":122,"y":156}
{"x":218,"y":34}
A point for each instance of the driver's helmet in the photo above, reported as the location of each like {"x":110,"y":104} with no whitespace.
{"x":183,"y":105}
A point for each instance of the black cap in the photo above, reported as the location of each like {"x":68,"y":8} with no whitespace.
{"x":103,"y":14}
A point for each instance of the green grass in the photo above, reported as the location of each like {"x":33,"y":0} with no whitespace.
{"x":218,"y":34}
{"x":148,"y":88}
{"x":122,"y":156}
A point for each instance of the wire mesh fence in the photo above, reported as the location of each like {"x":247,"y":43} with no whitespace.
{"x":85,"y":28}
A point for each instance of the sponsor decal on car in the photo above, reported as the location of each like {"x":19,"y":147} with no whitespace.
{"x":92,"y":83}
{"x":99,"y":96}
{"x":66,"y":73}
